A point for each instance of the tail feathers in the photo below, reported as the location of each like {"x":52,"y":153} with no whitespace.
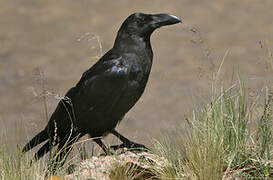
{"x":39,"y":138}
{"x":42,"y":151}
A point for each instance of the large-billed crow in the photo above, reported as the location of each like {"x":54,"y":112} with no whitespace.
{"x":106,"y":91}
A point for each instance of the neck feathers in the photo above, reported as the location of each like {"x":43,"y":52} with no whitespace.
{"x":127,"y":42}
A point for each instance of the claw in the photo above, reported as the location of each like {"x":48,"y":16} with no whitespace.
{"x":131,"y":146}
{"x":116,"y":147}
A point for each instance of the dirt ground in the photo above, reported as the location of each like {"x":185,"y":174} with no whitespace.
{"x":47,"y":45}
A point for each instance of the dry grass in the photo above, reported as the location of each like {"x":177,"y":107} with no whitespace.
{"x":226,"y":139}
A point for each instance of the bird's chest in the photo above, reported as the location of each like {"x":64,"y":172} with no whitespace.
{"x":138,"y":76}
{"x":137,"y":79}
{"x":136,"y":73}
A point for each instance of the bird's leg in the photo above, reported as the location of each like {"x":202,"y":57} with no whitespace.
{"x":127,"y":143}
{"x":103,"y":147}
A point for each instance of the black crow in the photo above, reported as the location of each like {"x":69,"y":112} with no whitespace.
{"x":106,"y":91}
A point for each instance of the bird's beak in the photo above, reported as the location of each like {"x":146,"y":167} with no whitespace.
{"x":164,"y":19}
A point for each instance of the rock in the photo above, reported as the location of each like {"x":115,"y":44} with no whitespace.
{"x":107,"y":167}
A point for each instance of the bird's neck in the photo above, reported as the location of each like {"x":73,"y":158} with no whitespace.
{"x":130,"y":43}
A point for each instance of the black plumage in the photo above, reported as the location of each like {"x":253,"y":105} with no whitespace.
{"x":106,"y":91}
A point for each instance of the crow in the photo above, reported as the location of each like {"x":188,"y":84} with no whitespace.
{"x":106,"y":91}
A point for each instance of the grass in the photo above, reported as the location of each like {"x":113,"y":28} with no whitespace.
{"x":231,"y":137}
{"x":130,"y":171}
{"x":15,"y":166}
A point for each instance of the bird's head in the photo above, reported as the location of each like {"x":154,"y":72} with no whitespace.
{"x":142,"y":25}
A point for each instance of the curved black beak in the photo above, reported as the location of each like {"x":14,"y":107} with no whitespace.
{"x":164,"y":20}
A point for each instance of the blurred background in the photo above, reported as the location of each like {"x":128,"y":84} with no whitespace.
{"x":46,"y":45}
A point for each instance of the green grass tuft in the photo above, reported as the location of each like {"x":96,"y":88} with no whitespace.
{"x":225,"y":139}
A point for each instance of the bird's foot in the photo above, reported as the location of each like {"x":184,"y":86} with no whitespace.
{"x":131,"y":146}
